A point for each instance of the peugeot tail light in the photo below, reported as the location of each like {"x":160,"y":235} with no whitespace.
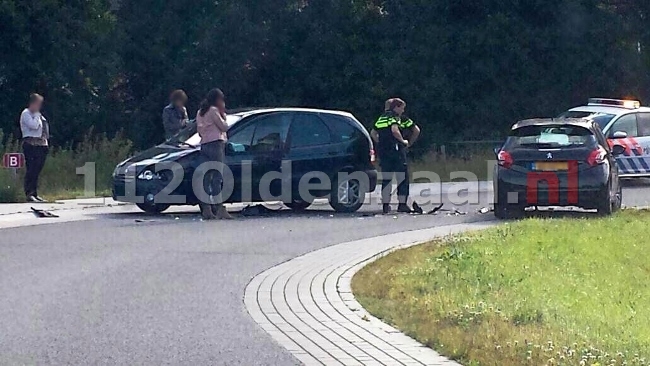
{"x":505,"y":159}
{"x":596,"y":157}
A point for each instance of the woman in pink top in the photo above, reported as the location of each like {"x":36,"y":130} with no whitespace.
{"x":212,"y":128}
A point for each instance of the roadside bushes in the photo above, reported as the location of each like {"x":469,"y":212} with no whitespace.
{"x":67,"y":168}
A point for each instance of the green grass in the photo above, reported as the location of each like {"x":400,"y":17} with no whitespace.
{"x":534,"y":292}
{"x":59,"y":179}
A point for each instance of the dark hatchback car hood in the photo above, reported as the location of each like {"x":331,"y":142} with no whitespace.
{"x":159,"y":154}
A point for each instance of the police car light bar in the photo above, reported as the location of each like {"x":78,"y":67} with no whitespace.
{"x":630,"y":104}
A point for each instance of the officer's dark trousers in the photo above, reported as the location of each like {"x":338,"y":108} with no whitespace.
{"x":214,"y":151}
{"x":394,"y":168}
{"x":34,"y":161}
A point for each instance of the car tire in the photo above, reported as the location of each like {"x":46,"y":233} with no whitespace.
{"x":298,"y":205}
{"x":347,"y":196}
{"x":506,"y":211}
{"x":156,"y":208}
{"x":618,"y":200}
{"x":605,"y":206}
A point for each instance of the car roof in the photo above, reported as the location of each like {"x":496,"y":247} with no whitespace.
{"x":247,"y":112}
{"x":617,"y":111}
{"x":581,"y":122}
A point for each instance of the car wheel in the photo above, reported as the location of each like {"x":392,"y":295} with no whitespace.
{"x":605,"y":206}
{"x":298,"y":205}
{"x":347,"y":196}
{"x":618,"y":199}
{"x":155,"y":208}
{"x":506,"y":211}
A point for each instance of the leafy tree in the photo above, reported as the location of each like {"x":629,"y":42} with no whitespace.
{"x":467,"y":69}
{"x":63,"y":50}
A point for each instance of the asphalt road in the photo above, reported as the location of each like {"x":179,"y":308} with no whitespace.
{"x":170,"y":290}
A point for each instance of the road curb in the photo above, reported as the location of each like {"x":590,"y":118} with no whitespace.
{"x":307,"y":306}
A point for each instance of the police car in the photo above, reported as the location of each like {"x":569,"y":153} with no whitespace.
{"x":625,"y":123}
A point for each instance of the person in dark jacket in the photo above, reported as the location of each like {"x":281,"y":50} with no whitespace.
{"x":175,"y":114}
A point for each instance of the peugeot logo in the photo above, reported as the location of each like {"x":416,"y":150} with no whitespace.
{"x":549,"y":156}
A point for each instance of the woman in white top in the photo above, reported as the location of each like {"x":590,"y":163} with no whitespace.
{"x":36,"y":132}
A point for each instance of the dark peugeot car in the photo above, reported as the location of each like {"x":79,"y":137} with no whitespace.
{"x":271,"y":153}
{"x":556,"y":162}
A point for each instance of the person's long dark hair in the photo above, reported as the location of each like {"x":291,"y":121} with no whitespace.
{"x":214,"y":96}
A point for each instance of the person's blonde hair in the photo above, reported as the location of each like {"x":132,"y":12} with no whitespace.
{"x":388,"y":104}
{"x":395,"y":102}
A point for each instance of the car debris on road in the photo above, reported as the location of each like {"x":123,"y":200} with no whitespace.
{"x":42,"y":213}
{"x":257,"y":210}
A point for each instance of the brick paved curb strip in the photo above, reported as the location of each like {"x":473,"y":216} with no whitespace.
{"x":307,"y":306}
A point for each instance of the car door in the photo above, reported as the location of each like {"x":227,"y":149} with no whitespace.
{"x":267,"y":154}
{"x":239,"y":160}
{"x":643,"y":122}
{"x":625,"y":132}
{"x":310,"y":152}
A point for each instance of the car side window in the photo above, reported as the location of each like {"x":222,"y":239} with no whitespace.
{"x":342,"y":130}
{"x":241,"y":140}
{"x":643,"y":120}
{"x":271,"y":132}
{"x":627,"y":124}
{"x":308,"y":129}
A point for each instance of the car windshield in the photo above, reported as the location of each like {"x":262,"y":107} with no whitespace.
{"x":551,"y":136}
{"x":188,"y":135}
{"x":602,"y":119}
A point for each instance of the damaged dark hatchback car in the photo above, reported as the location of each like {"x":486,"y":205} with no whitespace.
{"x":271,"y":153}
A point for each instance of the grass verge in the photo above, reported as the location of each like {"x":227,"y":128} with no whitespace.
{"x":96,"y":157}
{"x":534,"y":292}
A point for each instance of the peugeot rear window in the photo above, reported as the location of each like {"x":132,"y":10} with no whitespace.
{"x":539,"y":137}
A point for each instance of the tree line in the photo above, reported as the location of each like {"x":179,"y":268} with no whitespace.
{"x":467,"y":69}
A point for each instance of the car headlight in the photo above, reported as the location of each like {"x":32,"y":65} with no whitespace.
{"x":146,"y":175}
{"x":149,"y":175}
{"x":122,"y":170}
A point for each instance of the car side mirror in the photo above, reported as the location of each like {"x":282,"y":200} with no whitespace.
{"x":230,"y":149}
{"x":618,"y":150}
{"x":619,"y":135}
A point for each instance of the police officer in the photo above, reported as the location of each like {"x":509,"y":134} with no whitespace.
{"x":391,"y":148}
{"x":410,"y":131}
